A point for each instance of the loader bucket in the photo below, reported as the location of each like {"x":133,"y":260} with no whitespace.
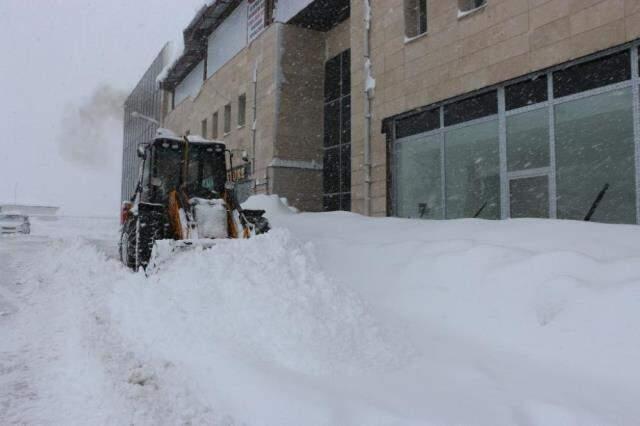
{"x":164,"y":250}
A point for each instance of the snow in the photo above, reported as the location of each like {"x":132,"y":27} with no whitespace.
{"x":172,"y":52}
{"x":370,"y":82}
{"x":331,"y":318}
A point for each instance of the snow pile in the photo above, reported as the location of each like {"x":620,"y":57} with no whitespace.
{"x":265,"y":298}
{"x":335,"y":319}
{"x":273,"y":205}
{"x":171,"y":54}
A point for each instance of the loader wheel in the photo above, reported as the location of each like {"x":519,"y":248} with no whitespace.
{"x":128,"y":246}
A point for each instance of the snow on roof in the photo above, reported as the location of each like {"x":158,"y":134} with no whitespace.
{"x":163,"y":133}
{"x":172,"y":53}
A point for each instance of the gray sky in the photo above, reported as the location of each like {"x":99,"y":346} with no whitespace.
{"x":55,"y":55}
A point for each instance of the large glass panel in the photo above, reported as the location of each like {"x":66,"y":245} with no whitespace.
{"x":529,"y":197}
{"x":331,"y":203}
{"x":331,"y":175}
{"x":419,"y":178}
{"x":332,"y":79}
{"x":345,"y":120}
{"x":593,"y":74}
{"x":528,"y":140}
{"x":418,"y":123}
{"x":345,"y":70}
{"x":332,"y":124}
{"x":473,"y":171}
{"x":345,"y":168}
{"x":595,"y":147}
{"x":526,"y":93}
{"x":472,"y":108}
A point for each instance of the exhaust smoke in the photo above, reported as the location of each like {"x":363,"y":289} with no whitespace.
{"x":91,"y":132}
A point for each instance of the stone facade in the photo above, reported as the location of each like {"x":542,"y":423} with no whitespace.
{"x":501,"y":41}
{"x":289,"y":108}
{"x":225,"y":87}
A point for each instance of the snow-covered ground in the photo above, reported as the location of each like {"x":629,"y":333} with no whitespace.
{"x":330,"y":319}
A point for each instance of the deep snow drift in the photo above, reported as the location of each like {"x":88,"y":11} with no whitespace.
{"x":329,"y":319}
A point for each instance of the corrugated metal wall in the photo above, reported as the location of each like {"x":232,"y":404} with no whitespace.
{"x":146,"y":99}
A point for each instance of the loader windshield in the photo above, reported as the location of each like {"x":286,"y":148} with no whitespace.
{"x":206,"y":170}
{"x":206,"y":175}
{"x":168,"y":159}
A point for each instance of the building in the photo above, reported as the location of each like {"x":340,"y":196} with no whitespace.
{"x":142,"y":107}
{"x":422,"y":108}
{"x":253,"y":76}
{"x":508,"y":108}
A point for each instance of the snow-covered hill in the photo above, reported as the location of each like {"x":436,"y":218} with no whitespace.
{"x":330,"y":319}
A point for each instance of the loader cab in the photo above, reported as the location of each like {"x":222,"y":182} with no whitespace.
{"x":170,"y":163}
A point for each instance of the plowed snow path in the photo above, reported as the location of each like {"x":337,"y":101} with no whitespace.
{"x":46,"y":374}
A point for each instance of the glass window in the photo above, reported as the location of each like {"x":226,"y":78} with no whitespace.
{"x":332,"y":79}
{"x":331,"y":173}
{"x":471,"y":108}
{"x":526,"y":93}
{"x":419,"y":178}
{"x":469,"y":5}
{"x":227,"y":118}
{"x":345,"y":168}
{"x":146,"y":173}
{"x":242,"y":110}
{"x":595,"y":147}
{"x":337,"y":133}
{"x":415,"y":17}
{"x":345,"y":120}
{"x":203,"y":129}
{"x":593,"y":74}
{"x":345,"y":202}
{"x":529,"y":197}
{"x":332,"y":124}
{"x":345,"y":71}
{"x":528,"y":140}
{"x":473,"y":171}
{"x":331,"y":203}
{"x":418,"y":123}
{"x":214,"y":125}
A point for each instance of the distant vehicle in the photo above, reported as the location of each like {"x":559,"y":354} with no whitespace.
{"x":14,"y":224}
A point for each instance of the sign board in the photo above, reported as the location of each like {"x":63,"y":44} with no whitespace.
{"x":255,"y":19}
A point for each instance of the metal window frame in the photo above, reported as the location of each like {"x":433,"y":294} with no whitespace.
{"x":339,"y":100}
{"x":502,"y":116}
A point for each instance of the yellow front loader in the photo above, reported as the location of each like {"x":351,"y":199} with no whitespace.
{"x":184,"y":199}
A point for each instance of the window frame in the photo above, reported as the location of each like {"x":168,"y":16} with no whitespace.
{"x":227,"y":119}
{"x":242,"y":110}
{"x":336,"y":101}
{"x":472,"y":8}
{"x":550,"y":104}
{"x":203,"y":128}
{"x":215,"y":117}
{"x":416,"y":18}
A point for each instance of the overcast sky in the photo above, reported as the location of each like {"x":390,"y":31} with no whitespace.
{"x":55,"y":56}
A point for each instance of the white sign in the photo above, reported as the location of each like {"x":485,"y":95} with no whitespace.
{"x":255,"y":19}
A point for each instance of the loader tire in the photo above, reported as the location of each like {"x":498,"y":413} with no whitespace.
{"x":151,"y":226}
{"x":128,"y":245}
